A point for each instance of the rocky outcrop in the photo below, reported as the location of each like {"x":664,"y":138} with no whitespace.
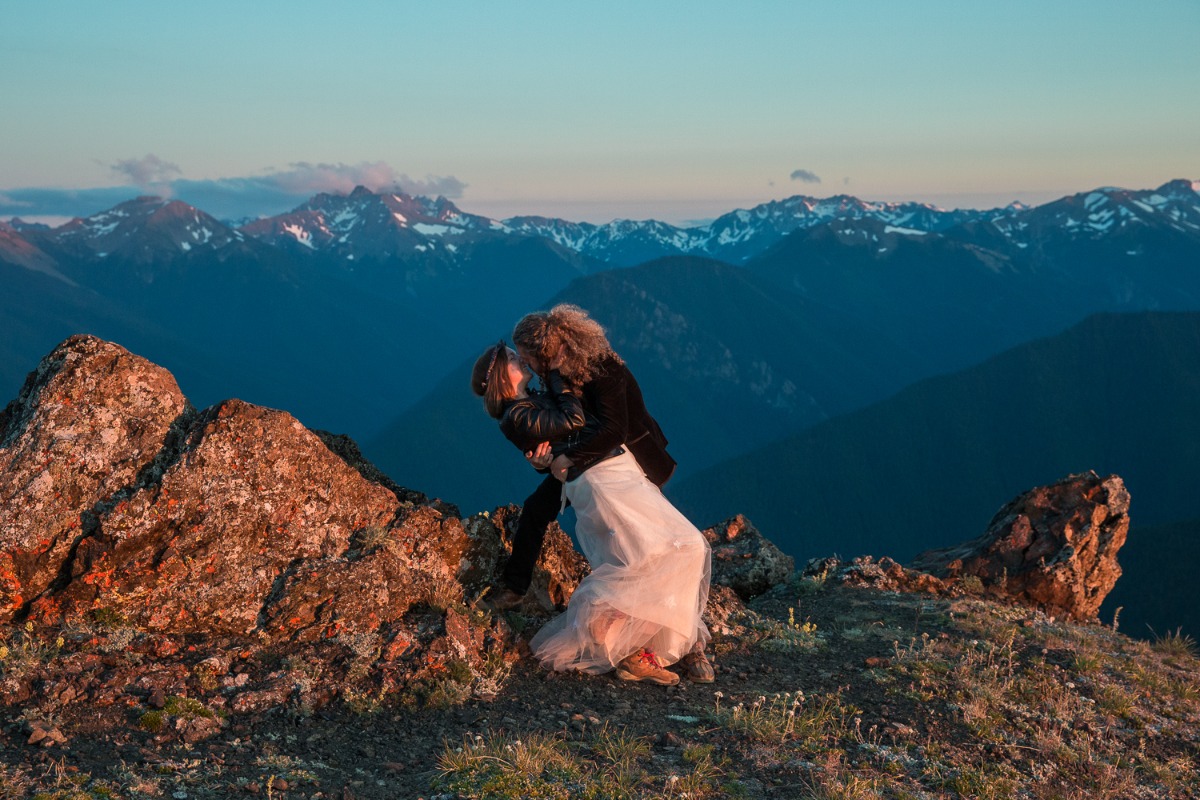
{"x":121,"y":501}
{"x":1054,"y":547}
{"x":87,"y":426}
{"x":231,"y":554}
{"x":745,"y":560}
{"x":560,"y":567}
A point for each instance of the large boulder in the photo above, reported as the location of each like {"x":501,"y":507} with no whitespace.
{"x":560,"y":566}
{"x":119,"y":501}
{"x":87,"y":426}
{"x":1054,"y":547}
{"x":745,"y":560}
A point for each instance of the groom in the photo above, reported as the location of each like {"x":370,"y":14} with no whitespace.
{"x":612,"y":397}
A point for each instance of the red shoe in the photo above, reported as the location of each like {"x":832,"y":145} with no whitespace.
{"x":645,"y":666}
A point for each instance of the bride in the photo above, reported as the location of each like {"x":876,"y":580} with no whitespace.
{"x":639,"y":610}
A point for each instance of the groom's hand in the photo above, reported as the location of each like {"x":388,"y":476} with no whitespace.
{"x":539,"y":457}
{"x":559,"y":467}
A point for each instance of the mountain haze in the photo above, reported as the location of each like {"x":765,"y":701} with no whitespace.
{"x":929,"y":466}
{"x":725,"y":364}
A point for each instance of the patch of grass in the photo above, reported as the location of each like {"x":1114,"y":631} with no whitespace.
{"x":780,"y":636}
{"x":292,"y":769}
{"x":608,"y":765}
{"x":107,"y":618}
{"x":58,"y":781}
{"x":25,"y":648}
{"x":1116,"y":701}
{"x":813,"y":724}
{"x":1174,"y":644}
{"x":153,"y":721}
{"x":187,"y":708}
{"x":369,"y":538}
{"x":537,"y":766}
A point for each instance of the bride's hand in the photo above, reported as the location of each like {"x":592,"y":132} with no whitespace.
{"x":539,"y":457}
{"x":560,"y":466}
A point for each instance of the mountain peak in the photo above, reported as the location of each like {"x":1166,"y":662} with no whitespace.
{"x":1180,"y":187}
{"x":147,"y":229}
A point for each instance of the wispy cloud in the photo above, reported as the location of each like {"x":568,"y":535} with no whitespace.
{"x":234,"y":198}
{"x":303,"y":178}
{"x":805,"y":175}
{"x":7,"y":202}
{"x":146,"y":171}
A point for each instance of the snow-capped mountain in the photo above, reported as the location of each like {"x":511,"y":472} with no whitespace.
{"x":366,"y":225}
{"x":735,"y":237}
{"x":143,"y":230}
{"x":741,"y":235}
{"x":373,"y":227}
{"x":1174,"y":205}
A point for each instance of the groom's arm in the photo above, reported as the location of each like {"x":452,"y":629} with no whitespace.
{"x":607,"y":400}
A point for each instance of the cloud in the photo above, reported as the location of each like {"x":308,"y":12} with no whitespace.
{"x":11,"y":202}
{"x":147,"y":170}
{"x":805,"y":175}
{"x":303,"y":178}
{"x":235,"y":198}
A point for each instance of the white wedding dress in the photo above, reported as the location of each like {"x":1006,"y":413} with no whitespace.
{"x":649,"y":581}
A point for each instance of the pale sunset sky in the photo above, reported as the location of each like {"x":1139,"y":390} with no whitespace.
{"x":677,"y":111}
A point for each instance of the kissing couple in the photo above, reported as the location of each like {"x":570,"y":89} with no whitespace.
{"x":639,"y":610}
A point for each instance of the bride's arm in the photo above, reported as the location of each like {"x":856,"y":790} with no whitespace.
{"x":543,"y":418}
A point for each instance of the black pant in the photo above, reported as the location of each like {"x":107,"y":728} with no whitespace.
{"x":539,"y":511}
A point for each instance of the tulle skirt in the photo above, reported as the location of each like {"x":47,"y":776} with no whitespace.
{"x":649,"y":581}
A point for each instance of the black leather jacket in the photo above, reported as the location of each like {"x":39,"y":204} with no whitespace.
{"x":555,"y":416}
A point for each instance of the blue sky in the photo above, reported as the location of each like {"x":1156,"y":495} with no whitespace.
{"x":670,"y":110}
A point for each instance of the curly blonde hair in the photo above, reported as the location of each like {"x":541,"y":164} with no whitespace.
{"x":565,"y":335}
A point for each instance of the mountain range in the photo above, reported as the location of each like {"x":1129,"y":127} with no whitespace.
{"x":830,"y":319}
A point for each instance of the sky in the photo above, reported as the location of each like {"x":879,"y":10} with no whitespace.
{"x":677,"y":111}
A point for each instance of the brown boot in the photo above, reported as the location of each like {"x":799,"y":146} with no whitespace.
{"x":696,"y":667}
{"x":645,"y":666}
{"x":501,"y":599}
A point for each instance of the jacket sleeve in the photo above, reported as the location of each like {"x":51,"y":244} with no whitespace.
{"x":545,"y":418}
{"x":608,"y":398}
